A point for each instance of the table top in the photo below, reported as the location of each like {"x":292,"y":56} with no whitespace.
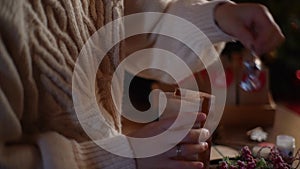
{"x":286,"y":122}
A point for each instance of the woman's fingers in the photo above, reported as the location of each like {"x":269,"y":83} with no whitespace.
{"x":161,"y":126}
{"x":186,"y":165}
{"x":182,"y":124}
{"x":188,"y":152}
{"x":167,"y":161}
{"x":250,"y":23}
{"x":201,"y":117}
{"x":267,"y":34}
{"x":268,"y":40}
{"x":195,"y":135}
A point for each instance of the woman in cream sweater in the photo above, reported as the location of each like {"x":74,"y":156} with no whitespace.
{"x":39,"y":43}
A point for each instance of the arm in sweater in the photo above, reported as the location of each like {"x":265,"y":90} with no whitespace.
{"x":198,"y":12}
{"x":46,"y":150}
{"x":52,"y":150}
{"x":251,"y":23}
{"x":20,"y":149}
{"x":12,"y":92}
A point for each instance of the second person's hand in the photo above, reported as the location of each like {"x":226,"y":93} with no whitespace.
{"x":250,"y":23}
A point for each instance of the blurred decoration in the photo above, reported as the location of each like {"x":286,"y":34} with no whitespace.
{"x":251,"y":80}
{"x":285,"y":61}
{"x":298,"y":74}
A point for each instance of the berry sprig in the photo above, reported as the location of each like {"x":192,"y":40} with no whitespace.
{"x":246,"y":160}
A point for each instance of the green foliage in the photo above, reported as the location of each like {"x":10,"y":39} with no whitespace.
{"x":261,"y":164}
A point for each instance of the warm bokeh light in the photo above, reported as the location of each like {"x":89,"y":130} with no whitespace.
{"x":298,"y":74}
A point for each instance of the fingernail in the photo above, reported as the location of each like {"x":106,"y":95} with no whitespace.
{"x":204,"y":145}
{"x":200,"y":165}
{"x":204,"y":135}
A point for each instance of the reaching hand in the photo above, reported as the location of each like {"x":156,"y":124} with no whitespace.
{"x":250,"y":23}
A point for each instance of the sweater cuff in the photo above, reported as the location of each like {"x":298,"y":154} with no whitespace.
{"x":56,"y":151}
{"x":91,"y":155}
{"x":202,"y":15}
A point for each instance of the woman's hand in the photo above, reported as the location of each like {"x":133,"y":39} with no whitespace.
{"x":189,"y":146}
{"x":250,"y":23}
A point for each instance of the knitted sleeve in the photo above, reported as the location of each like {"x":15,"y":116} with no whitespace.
{"x":13,"y":154}
{"x":39,"y":43}
{"x":60,"y":152}
{"x":47,"y":150}
{"x":200,"y":13}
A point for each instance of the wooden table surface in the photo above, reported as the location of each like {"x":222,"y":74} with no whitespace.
{"x":286,"y":122}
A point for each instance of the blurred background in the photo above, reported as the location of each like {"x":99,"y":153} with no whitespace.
{"x":247,"y":110}
{"x":284,"y":63}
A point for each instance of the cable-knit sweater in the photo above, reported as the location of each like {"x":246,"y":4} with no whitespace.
{"x":39,"y":44}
